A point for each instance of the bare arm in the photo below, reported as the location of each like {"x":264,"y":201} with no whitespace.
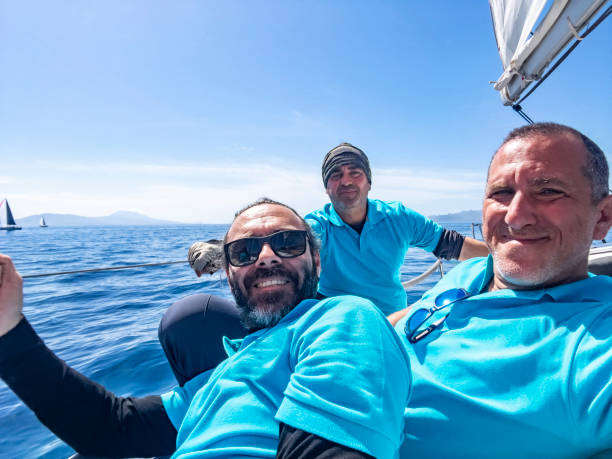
{"x":397,"y":315}
{"x":473,"y":248}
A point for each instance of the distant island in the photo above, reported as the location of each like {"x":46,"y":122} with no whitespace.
{"x":118,"y":218}
{"x":127,"y":218}
{"x":465,"y":216}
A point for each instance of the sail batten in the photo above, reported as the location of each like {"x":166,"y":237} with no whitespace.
{"x":525,"y":53}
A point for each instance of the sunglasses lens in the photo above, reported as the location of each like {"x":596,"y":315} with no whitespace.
{"x":244,"y":251}
{"x":285,"y":244}
{"x":416,"y":319}
{"x":288,"y":244}
{"x":450,"y":296}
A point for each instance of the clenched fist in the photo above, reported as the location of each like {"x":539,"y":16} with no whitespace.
{"x":11,"y":295}
{"x":206,"y":257}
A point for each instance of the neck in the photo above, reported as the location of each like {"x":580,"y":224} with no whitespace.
{"x":355,"y":216}
{"x":499,"y":283}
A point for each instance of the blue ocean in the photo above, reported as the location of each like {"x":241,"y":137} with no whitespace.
{"x":104,"y":324}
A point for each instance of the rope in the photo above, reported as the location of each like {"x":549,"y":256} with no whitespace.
{"x":112,"y":268}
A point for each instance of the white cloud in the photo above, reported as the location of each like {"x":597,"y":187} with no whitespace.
{"x":212,"y":192}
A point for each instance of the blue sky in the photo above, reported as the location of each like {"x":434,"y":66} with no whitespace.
{"x":187,"y":110}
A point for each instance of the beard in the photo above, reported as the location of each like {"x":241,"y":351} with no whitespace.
{"x":268,"y":309}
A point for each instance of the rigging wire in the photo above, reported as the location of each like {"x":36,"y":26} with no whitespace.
{"x":110,"y":268}
{"x":518,"y":109}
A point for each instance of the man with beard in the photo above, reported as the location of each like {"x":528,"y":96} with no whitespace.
{"x":311,"y":379}
{"x":511,"y":356}
{"x":364,"y":242}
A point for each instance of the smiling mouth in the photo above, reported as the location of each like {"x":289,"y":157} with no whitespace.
{"x":265,"y":283}
{"x":526,"y":240}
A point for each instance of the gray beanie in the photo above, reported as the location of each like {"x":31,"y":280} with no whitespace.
{"x":343,"y":154}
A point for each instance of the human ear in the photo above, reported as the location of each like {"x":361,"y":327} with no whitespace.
{"x":603,"y":224}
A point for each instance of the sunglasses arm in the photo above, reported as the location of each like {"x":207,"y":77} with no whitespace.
{"x":428,"y":330}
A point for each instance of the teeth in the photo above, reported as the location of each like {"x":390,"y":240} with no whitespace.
{"x":268,"y":283}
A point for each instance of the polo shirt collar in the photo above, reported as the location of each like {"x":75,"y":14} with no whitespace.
{"x":373,"y":215}
{"x":231,"y":346}
{"x":593,"y":288}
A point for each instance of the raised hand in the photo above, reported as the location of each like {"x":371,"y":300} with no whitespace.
{"x":11,"y":295}
{"x":206,"y":257}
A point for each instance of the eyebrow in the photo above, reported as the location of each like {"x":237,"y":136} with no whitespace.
{"x":548,"y":181}
{"x":537,"y":182}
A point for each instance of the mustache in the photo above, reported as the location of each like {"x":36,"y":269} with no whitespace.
{"x":264,"y":273}
{"x":524,"y":232}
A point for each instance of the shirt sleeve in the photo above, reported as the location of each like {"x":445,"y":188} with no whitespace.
{"x":81,"y":412}
{"x":350,"y":380}
{"x":590,"y":383}
{"x":177,"y":401}
{"x":420,"y":231}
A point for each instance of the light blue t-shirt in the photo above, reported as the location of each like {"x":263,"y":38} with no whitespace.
{"x":334,"y":368}
{"x":514,"y":374}
{"x":368,"y":264}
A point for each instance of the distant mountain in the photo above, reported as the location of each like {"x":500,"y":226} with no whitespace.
{"x":118,"y":218}
{"x":465,"y":216}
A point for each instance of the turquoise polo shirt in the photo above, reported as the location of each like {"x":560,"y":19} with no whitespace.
{"x":512,"y":373}
{"x":368,"y":264}
{"x":334,"y":368}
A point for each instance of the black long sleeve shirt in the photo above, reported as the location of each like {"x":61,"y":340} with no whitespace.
{"x":96,"y":422}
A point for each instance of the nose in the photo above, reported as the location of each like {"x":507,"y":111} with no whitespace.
{"x":267,"y":257}
{"x":520,"y":212}
{"x":346,"y":179}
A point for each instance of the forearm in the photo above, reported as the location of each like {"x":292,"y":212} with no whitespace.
{"x":81,"y":412}
{"x":394,"y":317}
{"x":473,"y":248}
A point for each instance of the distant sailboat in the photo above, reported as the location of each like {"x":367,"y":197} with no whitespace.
{"x":7,"y":222}
{"x":43,"y":223}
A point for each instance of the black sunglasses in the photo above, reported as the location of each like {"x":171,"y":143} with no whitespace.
{"x":413,"y":329}
{"x":285,"y":244}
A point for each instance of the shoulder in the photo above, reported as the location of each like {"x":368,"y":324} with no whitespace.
{"x":322,"y":214}
{"x":394,"y":208}
{"x":344,"y":313}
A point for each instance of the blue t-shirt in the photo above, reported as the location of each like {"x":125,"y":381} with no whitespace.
{"x":334,"y":368}
{"x":512,"y":373}
{"x":368,"y":264}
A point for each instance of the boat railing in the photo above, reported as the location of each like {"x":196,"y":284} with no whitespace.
{"x":437,"y":265}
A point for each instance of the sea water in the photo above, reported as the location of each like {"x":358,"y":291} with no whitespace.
{"x":104,"y":324}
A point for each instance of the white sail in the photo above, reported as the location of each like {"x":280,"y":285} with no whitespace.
{"x":43,"y":223}
{"x":525,"y":52}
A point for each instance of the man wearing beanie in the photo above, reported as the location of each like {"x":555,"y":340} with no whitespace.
{"x":363,"y":243}
{"x":364,"y":240}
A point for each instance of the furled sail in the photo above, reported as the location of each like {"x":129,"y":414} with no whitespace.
{"x":531,"y":33}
